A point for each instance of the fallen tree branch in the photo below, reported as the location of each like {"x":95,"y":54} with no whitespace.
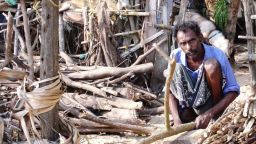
{"x":138,"y":46}
{"x":166,"y":133}
{"x":84,"y":86}
{"x":143,"y":56}
{"x":111,"y":71}
{"x":148,"y":95}
{"x":134,"y":128}
{"x":123,"y":77}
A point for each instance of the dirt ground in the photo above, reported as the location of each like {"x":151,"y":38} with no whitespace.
{"x":243,"y":77}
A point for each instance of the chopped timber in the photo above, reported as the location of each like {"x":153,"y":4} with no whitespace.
{"x":111,"y":71}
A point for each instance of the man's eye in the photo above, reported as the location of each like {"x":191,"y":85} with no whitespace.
{"x":192,"y":40}
{"x":182,"y":44}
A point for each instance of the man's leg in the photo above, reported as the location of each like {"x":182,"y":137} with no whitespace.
{"x":214,"y":78}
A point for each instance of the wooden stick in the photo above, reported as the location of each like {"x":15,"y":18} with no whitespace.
{"x":147,"y":40}
{"x":247,"y":37}
{"x":143,"y":56}
{"x":253,"y":16}
{"x":103,"y":130}
{"x":84,"y":86}
{"x":8,"y":43}
{"x":134,"y":128}
{"x":111,"y":71}
{"x":123,"y":77}
{"x":16,"y":39}
{"x":149,"y":95}
{"x":28,"y":39}
{"x":172,"y":65}
{"x":1,"y":129}
{"x":22,"y":43}
{"x":151,"y":111}
{"x":85,"y":123}
{"x":126,"y":33}
{"x":166,"y":133}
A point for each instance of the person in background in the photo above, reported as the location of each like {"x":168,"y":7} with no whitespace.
{"x":203,"y":83}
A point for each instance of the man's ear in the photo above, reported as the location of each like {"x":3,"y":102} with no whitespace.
{"x":201,"y":38}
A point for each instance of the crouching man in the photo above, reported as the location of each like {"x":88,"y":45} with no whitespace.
{"x":203,"y":83}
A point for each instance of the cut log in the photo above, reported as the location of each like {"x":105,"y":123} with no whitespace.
{"x":103,"y":103}
{"x":111,"y":71}
{"x":121,"y":114}
{"x":125,"y":103}
{"x":151,"y":111}
{"x":84,"y":86}
{"x":12,"y":75}
{"x":147,"y":95}
{"x":87,"y":101}
{"x":85,"y":123}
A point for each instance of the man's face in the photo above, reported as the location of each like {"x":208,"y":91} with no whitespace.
{"x":189,"y":42}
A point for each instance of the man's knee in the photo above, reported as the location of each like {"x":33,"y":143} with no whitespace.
{"x":212,"y":66}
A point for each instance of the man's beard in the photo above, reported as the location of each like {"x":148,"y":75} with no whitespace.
{"x":193,"y":53}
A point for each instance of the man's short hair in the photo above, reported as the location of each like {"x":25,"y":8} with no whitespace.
{"x":184,"y":26}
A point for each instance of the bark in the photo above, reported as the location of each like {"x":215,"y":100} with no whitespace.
{"x":176,"y":130}
{"x":84,"y":86}
{"x":111,"y":71}
{"x":49,"y":63}
{"x":151,"y":111}
{"x":16,"y":39}
{"x":8,"y":43}
{"x":147,"y":95}
{"x":250,"y":43}
{"x":232,"y":21}
{"x":28,"y":39}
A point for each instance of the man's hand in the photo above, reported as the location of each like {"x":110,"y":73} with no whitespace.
{"x":203,"y":120}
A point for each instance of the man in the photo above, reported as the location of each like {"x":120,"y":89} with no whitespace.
{"x":203,"y":83}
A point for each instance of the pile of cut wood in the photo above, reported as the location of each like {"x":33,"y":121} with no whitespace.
{"x":236,"y":125}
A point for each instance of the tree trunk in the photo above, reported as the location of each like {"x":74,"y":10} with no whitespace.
{"x":49,"y":61}
{"x":250,"y":43}
{"x":231,"y":23}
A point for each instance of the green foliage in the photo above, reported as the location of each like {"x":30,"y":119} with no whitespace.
{"x":11,"y":2}
{"x":221,"y":14}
